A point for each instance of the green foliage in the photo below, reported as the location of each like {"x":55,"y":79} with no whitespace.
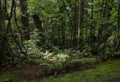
{"x":54,"y":13}
{"x":59,"y":41}
{"x":42,"y":40}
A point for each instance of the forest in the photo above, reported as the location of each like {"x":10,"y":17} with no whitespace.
{"x":59,"y":41}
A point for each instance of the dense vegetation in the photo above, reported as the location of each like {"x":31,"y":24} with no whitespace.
{"x":58,"y":34}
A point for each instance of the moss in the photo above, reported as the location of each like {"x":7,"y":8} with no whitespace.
{"x":35,"y":61}
{"x":10,"y":75}
{"x":89,"y":60}
{"x":103,"y":73}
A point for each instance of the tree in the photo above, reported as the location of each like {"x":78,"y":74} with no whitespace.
{"x":24,"y":19}
{"x":2,"y":27}
{"x":5,"y":49}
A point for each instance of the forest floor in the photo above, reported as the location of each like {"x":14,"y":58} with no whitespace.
{"x":105,"y":72}
{"x":108,"y":71}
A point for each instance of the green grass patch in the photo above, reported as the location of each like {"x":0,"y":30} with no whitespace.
{"x":103,"y":73}
{"x":89,"y":60}
{"x":9,"y":76}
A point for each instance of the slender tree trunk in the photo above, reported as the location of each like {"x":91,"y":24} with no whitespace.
{"x":79,"y":17}
{"x":63,"y":34}
{"x":74,"y":27}
{"x":5,"y":9}
{"x":2,"y":26}
{"x":62,"y":10}
{"x":92,"y":33}
{"x":24,"y":19}
{"x":80,"y":21}
{"x":4,"y":52}
{"x":118,"y":28}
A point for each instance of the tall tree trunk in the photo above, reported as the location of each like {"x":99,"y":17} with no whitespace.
{"x":79,"y":17}
{"x":24,"y":19}
{"x":92,"y":29}
{"x":2,"y":26}
{"x":62,"y":10}
{"x":80,"y":21}
{"x":63,"y":34}
{"x":4,"y":52}
{"x":74,"y":27}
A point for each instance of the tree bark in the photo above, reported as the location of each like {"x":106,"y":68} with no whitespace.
{"x":80,"y":20}
{"x":2,"y":26}
{"x":4,"y":52}
{"x":24,"y":19}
